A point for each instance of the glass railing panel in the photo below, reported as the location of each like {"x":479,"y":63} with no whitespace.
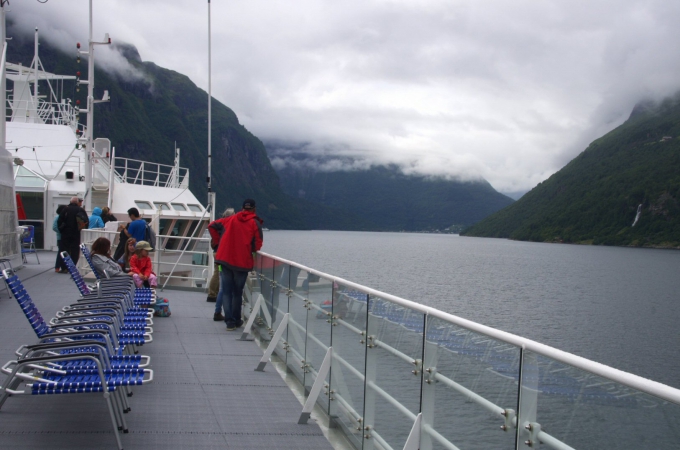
{"x":297,"y":322}
{"x":349,"y":313}
{"x":319,"y":326}
{"x":393,"y":371}
{"x":469,"y":388}
{"x":267,"y":288}
{"x":584,"y":410}
{"x":279,"y":302}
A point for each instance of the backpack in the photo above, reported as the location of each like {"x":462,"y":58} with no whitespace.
{"x":82,"y":220}
{"x":150,"y":237}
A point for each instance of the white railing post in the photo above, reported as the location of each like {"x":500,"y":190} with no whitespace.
{"x":429,"y":389}
{"x":273,"y":343}
{"x":251,"y":319}
{"x":528,"y":401}
{"x":369,"y":377}
{"x":413,"y":441}
{"x":316,"y":387}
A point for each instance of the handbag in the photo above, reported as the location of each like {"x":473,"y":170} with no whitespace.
{"x":162,"y":308}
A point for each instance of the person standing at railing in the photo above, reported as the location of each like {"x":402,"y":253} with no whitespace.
{"x":96,"y":219}
{"x":59,"y":265}
{"x":72,"y":219}
{"x":214,"y":286}
{"x":236,"y":238}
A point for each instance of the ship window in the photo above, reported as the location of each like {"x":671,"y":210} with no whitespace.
{"x":31,"y":205}
{"x":27,"y":178}
{"x":143,"y":205}
{"x":195,"y":208}
{"x":179,"y":207}
{"x":162,"y":206}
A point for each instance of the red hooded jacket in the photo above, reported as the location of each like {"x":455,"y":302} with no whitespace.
{"x":236,"y":238}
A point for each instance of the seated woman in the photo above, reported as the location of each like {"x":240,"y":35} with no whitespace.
{"x":140,"y":266}
{"x":130,"y":248}
{"x":102,"y":261}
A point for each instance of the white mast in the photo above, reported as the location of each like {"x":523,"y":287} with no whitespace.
{"x":35,"y":74}
{"x":209,"y":108}
{"x":88,"y":138}
{"x":89,"y":146}
{"x":3,"y":94}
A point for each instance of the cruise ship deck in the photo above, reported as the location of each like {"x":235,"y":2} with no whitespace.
{"x":205,"y":392}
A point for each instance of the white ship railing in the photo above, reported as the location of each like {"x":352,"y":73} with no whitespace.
{"x":146,"y":173}
{"x":54,"y":113}
{"x":404,"y":375}
{"x":186,"y":266}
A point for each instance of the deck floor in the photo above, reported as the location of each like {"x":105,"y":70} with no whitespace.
{"x":205,"y":393}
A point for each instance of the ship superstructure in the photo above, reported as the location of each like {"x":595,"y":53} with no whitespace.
{"x":53,"y":164}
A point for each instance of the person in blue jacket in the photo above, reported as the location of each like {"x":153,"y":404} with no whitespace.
{"x":96,"y":219}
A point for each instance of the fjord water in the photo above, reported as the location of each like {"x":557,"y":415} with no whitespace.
{"x":617,"y":306}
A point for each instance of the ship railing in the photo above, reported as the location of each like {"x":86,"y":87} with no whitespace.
{"x":185,"y":266}
{"x":146,"y":173}
{"x":404,"y":375}
{"x":53,"y":113}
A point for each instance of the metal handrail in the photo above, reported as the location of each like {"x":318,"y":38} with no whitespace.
{"x":654,"y":388}
{"x":148,"y":173}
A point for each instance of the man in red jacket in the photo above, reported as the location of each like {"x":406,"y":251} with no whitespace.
{"x":236,"y":238}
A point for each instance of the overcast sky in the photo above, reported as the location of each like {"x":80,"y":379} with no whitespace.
{"x":505,"y":90}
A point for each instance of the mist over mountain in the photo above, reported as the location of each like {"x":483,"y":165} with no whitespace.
{"x":365,"y":197}
{"x":152,"y":109}
{"x":624,"y":189}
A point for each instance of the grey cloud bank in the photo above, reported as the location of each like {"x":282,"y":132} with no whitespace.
{"x":508,"y":91}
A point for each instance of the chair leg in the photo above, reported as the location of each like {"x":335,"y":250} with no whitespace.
{"x":115,"y":424}
{"x":121,"y":410}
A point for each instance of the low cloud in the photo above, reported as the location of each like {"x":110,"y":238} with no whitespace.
{"x":507,"y":91}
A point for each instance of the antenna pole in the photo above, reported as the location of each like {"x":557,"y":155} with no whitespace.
{"x":3,"y":93}
{"x":89,"y":128}
{"x":209,"y":107}
{"x":35,"y":79}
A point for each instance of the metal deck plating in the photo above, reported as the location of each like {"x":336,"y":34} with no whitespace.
{"x":205,"y":393}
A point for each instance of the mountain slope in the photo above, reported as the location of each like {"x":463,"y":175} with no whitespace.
{"x":383,"y":198}
{"x":595,"y":198}
{"x":153,"y":108}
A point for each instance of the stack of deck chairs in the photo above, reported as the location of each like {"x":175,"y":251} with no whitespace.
{"x":90,"y":346}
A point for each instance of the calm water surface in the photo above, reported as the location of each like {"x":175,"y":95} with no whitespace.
{"x":617,"y":306}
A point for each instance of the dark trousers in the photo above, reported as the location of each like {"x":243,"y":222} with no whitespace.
{"x":232,"y":283}
{"x":59,"y":263}
{"x":73,"y":250}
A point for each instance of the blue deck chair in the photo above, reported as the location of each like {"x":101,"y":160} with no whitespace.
{"x":121,"y":296}
{"x":28,"y":244}
{"x":102,"y":327}
{"x":106,"y":283}
{"x":41,"y":378}
{"x":141,"y":297}
{"x":5,"y":264}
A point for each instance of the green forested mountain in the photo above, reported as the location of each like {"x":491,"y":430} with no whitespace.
{"x":595,"y":198}
{"x":383,"y":198}
{"x":156,"y":107}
